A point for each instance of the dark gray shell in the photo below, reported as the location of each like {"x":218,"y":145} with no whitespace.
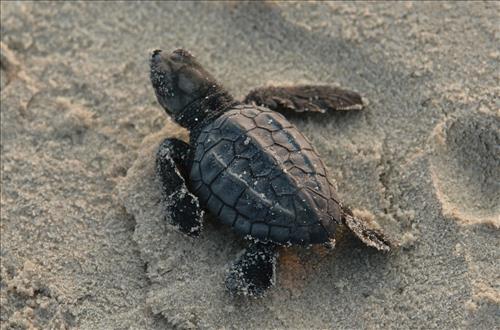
{"x":256,"y":172}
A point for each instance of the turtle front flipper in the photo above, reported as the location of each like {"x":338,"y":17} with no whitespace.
{"x":183,"y":207}
{"x":254,"y":271}
{"x":365,"y":231}
{"x":305,"y":98}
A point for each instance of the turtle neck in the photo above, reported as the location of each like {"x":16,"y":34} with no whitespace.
{"x":204,"y":110}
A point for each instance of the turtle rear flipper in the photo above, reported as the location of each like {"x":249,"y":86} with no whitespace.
{"x":366,"y":232}
{"x":254,"y":271}
{"x":305,"y":98}
{"x":183,"y":208}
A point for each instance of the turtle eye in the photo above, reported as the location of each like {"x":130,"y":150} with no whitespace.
{"x":179,"y":55}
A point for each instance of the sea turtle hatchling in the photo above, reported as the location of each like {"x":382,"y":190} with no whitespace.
{"x":249,"y":166}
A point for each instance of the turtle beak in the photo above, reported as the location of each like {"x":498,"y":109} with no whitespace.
{"x":160,"y":61}
{"x":156,"y":57}
{"x":155,"y":54}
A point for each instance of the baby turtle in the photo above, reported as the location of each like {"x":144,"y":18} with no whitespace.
{"x":249,"y":166}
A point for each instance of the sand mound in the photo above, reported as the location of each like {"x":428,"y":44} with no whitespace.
{"x":187,"y":274}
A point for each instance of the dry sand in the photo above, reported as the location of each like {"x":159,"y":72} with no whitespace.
{"x":82,"y":241}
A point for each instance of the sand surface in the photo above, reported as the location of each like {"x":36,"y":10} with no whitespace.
{"x":83,"y":244}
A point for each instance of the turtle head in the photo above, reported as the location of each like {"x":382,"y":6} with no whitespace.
{"x":179,"y":80}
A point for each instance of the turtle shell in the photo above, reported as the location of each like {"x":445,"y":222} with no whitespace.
{"x":256,"y":172}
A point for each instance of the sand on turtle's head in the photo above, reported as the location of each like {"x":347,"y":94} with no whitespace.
{"x":179,"y":80}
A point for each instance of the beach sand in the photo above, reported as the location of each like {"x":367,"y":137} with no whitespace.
{"x":83,"y":243}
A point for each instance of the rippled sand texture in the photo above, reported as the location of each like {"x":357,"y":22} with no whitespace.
{"x":84,"y":244}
